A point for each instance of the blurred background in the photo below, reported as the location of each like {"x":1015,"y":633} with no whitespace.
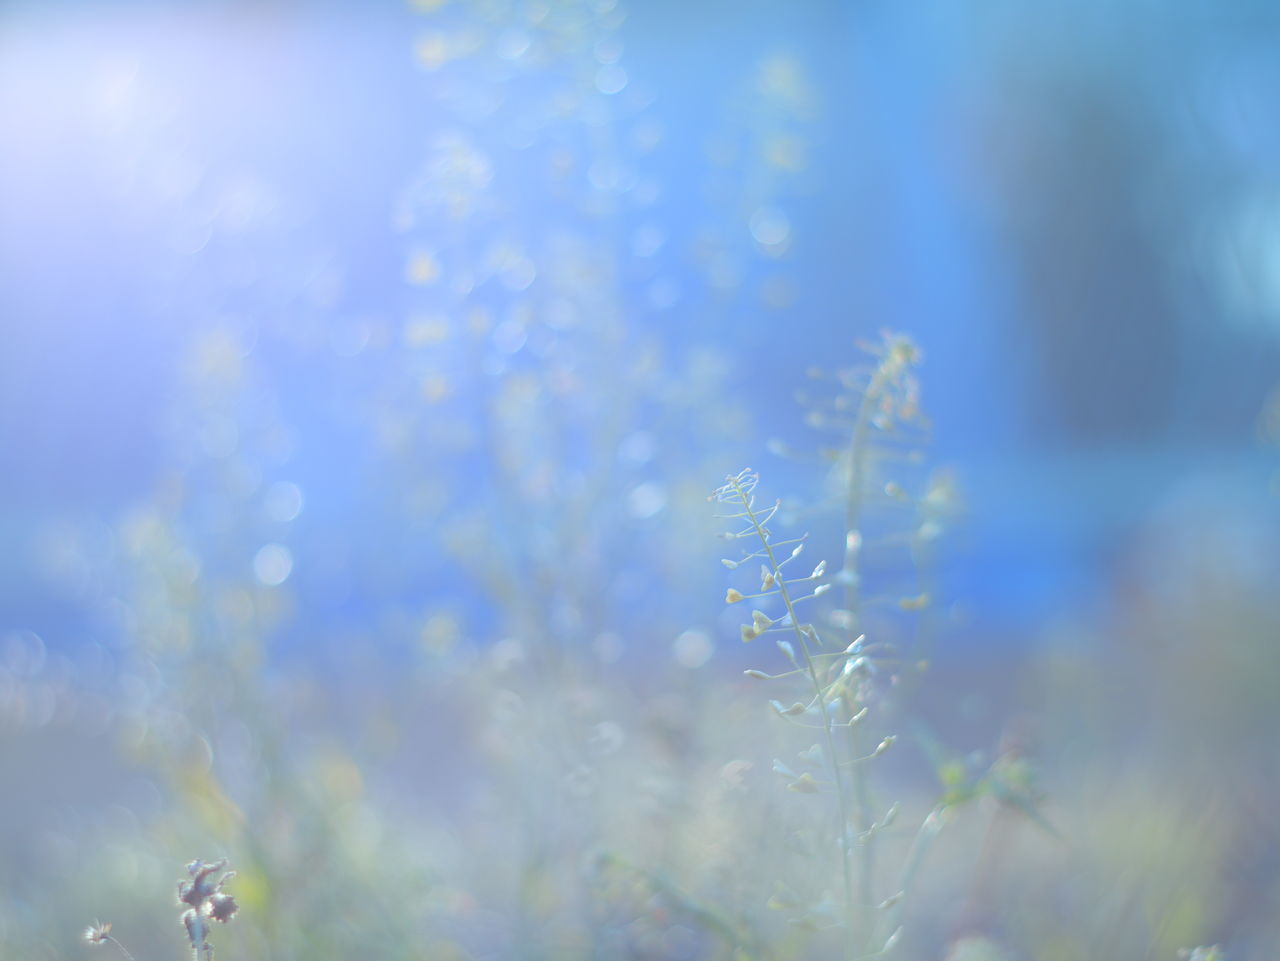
{"x":364,"y":369}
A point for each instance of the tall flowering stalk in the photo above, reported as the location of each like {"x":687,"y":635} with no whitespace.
{"x":833,"y":680}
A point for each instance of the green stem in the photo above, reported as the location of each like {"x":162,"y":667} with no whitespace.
{"x":858,"y":447}
{"x":929,"y":830}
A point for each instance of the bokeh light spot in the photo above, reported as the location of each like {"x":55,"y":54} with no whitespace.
{"x":425,"y":331}
{"x":646,"y":500}
{"x":770,"y":227}
{"x":422,"y":269}
{"x":509,"y":336}
{"x":272,"y":565}
{"x":512,"y":44}
{"x":648,"y":240}
{"x":611,"y":79}
{"x":283,"y":501}
{"x":692,"y":649}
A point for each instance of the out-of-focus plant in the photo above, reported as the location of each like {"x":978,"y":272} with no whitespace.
{"x":533,"y":225}
{"x":520,"y":235}
{"x":1210,"y":953}
{"x":1269,"y":429}
{"x":541,"y":270}
{"x":244,"y":753}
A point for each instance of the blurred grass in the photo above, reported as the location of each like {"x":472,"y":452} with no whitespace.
{"x":494,"y":751}
{"x":662,"y":838}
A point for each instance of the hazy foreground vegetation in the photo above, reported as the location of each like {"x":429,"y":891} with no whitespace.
{"x":568,"y":566}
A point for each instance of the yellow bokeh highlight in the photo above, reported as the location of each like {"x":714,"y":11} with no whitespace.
{"x":204,"y":795}
{"x":436,"y":388}
{"x":785,"y":152}
{"x":252,"y":890}
{"x":479,"y":321}
{"x":422,"y":269}
{"x":440,"y":634}
{"x":425,"y":331}
{"x":339,"y":777}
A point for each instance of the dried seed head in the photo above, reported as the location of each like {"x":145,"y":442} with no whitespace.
{"x":206,"y":900}
{"x":792,"y":711}
{"x":812,"y":754}
{"x":98,"y":933}
{"x":222,"y":907}
{"x":856,"y":646}
{"x":195,"y":891}
{"x":804,"y":784}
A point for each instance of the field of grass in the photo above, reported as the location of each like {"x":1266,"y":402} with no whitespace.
{"x":563,"y":568}
{"x":852,"y":782}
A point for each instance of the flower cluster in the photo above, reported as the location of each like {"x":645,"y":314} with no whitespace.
{"x":206,"y":901}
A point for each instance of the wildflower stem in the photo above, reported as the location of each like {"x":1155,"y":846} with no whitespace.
{"x":856,"y":485}
{"x":842,"y":804}
{"x":929,"y":830}
{"x":120,"y":947}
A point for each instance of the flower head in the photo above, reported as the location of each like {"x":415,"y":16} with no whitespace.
{"x":222,"y":907}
